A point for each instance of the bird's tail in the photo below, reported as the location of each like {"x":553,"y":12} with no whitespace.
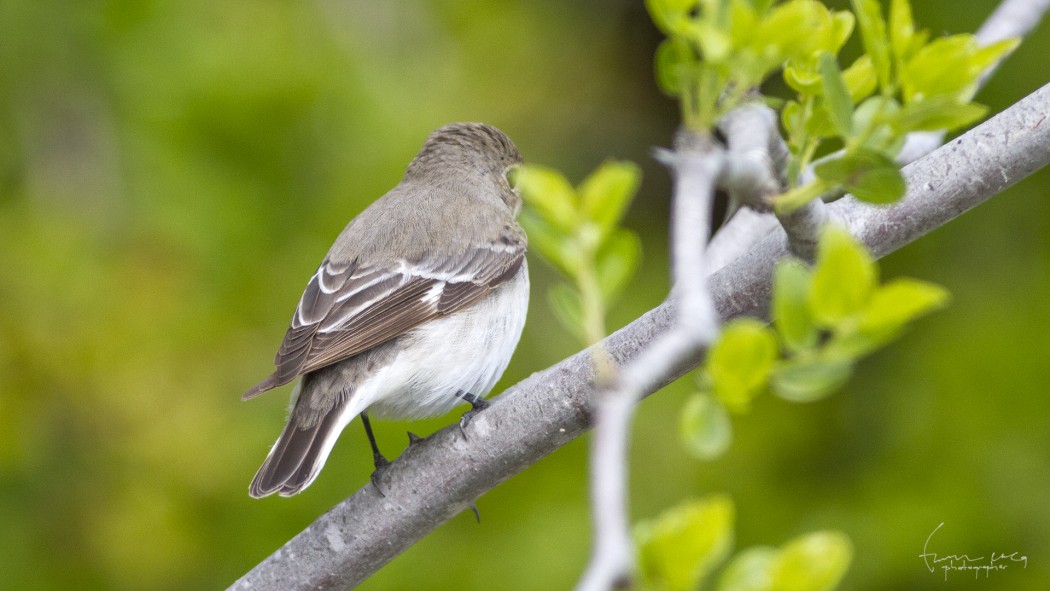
{"x":304,"y":445}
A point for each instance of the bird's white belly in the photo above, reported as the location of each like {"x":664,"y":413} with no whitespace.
{"x":462,"y":353}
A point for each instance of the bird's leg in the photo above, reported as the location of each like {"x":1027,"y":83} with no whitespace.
{"x":477,"y":404}
{"x":380,"y":462}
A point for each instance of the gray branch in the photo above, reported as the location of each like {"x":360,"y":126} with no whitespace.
{"x":696,"y":164}
{"x":755,"y":172}
{"x":437,"y":479}
{"x":750,"y":174}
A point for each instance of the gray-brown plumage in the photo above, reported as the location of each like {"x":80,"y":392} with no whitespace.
{"x":420,"y":301}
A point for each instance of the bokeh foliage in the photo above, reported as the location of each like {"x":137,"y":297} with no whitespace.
{"x":171,"y":172}
{"x":576,"y":231}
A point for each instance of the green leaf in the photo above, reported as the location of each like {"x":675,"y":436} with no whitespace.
{"x":673,"y":63}
{"x":897,"y":303}
{"x":740,"y":362}
{"x":607,"y":192}
{"x":873,"y":34}
{"x":943,"y":112}
{"x":750,"y":570}
{"x":617,"y":260}
{"x":819,"y":124}
{"x":869,"y":175}
{"x":836,"y":96}
{"x":942,"y":67}
{"x":715,"y":44}
{"x":902,"y":29}
{"x":715,"y":11}
{"x":809,"y":380}
{"x":891,"y":308}
{"x":873,"y":114}
{"x":843,"y":279}
{"x":670,"y":16}
{"x":795,"y":198}
{"x":743,"y":17}
{"x":990,"y":55}
{"x":549,"y":193}
{"x":568,"y":309}
{"x":557,"y":248}
{"x":761,"y":6}
{"x":812,"y":562}
{"x":849,"y":343}
{"x":952,"y":66}
{"x":803,"y":78}
{"x":681,"y":546}
{"x":791,"y":315}
{"x":704,"y":427}
{"x":860,"y":79}
{"x":842,"y":23}
{"x":791,"y":116}
{"x":795,"y":29}
{"x":918,"y":41}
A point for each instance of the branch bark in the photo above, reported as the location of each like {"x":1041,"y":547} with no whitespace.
{"x":433,"y":481}
{"x":696,"y":163}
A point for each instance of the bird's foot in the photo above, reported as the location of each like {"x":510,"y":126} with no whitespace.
{"x":381,"y":464}
{"x":477,"y":404}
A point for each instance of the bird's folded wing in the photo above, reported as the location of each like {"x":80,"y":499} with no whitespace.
{"x":347,"y":309}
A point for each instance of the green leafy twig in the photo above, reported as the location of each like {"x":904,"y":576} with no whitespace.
{"x":904,"y":83}
{"x":577,"y":230}
{"x":681,"y":549}
{"x":696,"y":163}
{"x":718,"y":51}
{"x":825,"y":318}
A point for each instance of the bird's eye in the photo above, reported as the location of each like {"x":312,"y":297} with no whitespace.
{"x":514,"y":175}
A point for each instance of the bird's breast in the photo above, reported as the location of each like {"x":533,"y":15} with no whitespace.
{"x":464,"y":352}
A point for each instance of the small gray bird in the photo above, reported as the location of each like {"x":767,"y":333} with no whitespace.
{"x":417,"y":307}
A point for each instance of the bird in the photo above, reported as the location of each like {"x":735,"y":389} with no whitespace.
{"x":417,"y":307}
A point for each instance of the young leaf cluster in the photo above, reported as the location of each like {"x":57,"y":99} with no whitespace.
{"x":577,"y":230}
{"x":903,"y":83}
{"x":680,"y":550}
{"x":718,"y":52}
{"x":825,"y":318}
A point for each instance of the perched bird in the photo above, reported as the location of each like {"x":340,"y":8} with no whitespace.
{"x":417,"y":307}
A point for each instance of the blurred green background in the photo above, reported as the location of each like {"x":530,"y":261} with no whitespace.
{"x":172,"y":172}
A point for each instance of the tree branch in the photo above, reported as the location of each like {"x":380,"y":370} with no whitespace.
{"x":750,"y":174}
{"x":697,"y":162}
{"x":433,"y":481}
{"x":1011,"y":18}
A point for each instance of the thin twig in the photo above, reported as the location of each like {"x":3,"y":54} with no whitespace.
{"x":750,"y":175}
{"x":696,"y":163}
{"x":755,"y":172}
{"x":803,"y":227}
{"x":1012,"y":18}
